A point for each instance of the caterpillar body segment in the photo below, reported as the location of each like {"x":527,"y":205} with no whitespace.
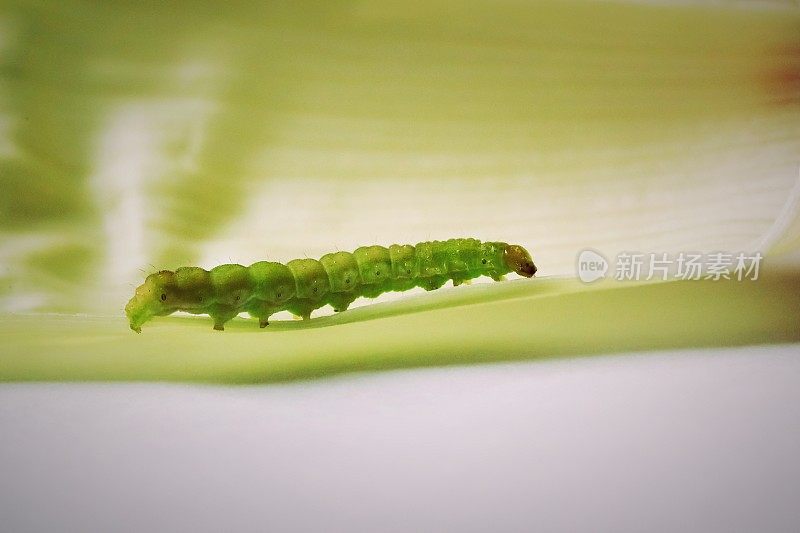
{"x":303,"y":285}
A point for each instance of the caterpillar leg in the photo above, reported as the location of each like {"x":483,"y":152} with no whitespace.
{"x":262,"y":311}
{"x":341,"y":301}
{"x":222,"y":314}
{"x":263,"y":318}
{"x":433,"y":283}
{"x":458,"y":280}
{"x":498,"y":278}
{"x":303,"y":307}
{"x":219,"y":322}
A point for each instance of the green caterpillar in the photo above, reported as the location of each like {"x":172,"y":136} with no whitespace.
{"x":302,"y":285}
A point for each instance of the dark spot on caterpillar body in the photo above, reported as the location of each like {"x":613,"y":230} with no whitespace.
{"x":303,"y":285}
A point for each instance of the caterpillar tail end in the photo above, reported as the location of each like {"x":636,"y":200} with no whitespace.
{"x":135,"y":320}
{"x":154,"y":297}
{"x":138,"y":312}
{"x":519,"y":260}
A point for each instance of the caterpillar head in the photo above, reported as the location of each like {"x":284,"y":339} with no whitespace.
{"x":519,"y":260}
{"x":155,"y":297}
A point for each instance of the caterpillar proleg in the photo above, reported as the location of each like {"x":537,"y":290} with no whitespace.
{"x":303,"y":285}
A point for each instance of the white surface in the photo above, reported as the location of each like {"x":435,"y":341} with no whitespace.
{"x":683,"y":441}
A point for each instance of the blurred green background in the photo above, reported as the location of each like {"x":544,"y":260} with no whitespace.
{"x":137,"y":136}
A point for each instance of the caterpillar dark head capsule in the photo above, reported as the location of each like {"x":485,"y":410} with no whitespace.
{"x":519,"y":260}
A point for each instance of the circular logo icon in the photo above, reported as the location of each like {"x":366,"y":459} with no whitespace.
{"x":591,"y":266}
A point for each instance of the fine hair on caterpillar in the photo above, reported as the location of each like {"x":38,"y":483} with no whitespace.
{"x":303,"y":285}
